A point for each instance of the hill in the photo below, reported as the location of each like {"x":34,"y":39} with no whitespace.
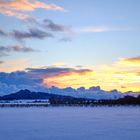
{"x":56,"y":99}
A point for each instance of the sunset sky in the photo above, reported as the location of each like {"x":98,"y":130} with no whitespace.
{"x":70,"y":43}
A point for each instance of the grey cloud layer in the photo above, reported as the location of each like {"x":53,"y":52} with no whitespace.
{"x":32,"y":33}
{"x":32,"y":78}
{"x":47,"y":23}
{"x":43,"y":30}
{"x":1,"y":62}
{"x":4,"y":50}
{"x":56,"y":71}
{"x":38,"y":30}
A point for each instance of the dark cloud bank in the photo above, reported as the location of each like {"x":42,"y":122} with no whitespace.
{"x":32,"y":78}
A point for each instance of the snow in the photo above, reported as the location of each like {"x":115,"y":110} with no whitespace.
{"x":70,"y":123}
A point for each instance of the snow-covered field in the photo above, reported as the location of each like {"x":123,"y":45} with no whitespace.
{"x":70,"y":123}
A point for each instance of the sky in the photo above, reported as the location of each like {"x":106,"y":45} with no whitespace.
{"x":70,"y":44}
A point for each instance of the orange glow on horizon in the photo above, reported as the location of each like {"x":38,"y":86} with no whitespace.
{"x":107,"y":80}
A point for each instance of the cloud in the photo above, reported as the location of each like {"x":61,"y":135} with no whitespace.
{"x":138,"y":73}
{"x":57,"y":71}
{"x":14,"y":81}
{"x":113,"y":76}
{"x":14,"y":78}
{"x":32,"y":33}
{"x":4,"y":50}
{"x":39,"y":30}
{"x":2,"y":33}
{"x":94,"y":29}
{"x":100,"y":29}
{"x":19,"y":8}
{"x":65,"y":77}
{"x":109,"y":77}
{"x":8,"y":12}
{"x":1,"y":62}
{"x":130,"y":61}
{"x":49,"y":24}
{"x":33,"y":78}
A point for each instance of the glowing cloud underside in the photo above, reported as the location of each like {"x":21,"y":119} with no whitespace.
{"x":108,"y":81}
{"x":120,"y":75}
